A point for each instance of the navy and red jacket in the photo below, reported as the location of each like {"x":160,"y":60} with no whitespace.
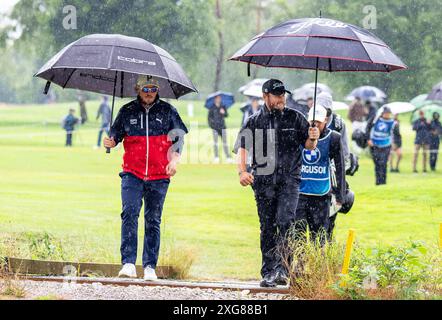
{"x":149,"y":136}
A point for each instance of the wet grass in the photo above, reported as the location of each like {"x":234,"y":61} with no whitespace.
{"x":74,"y":195}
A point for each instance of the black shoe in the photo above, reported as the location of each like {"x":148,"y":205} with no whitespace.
{"x":281,"y":278}
{"x":268,"y":281}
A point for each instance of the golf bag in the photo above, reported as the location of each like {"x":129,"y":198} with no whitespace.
{"x":354,"y":165}
{"x":360,"y":138}
{"x":349,"y":196}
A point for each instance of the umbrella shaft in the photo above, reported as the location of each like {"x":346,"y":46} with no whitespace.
{"x":112,"y":110}
{"x":316,"y":88}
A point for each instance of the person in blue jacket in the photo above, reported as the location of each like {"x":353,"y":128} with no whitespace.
{"x":315,"y":190}
{"x":68,"y":124}
{"x":380,"y":136}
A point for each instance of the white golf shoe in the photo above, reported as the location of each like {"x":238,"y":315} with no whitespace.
{"x":128,"y":271}
{"x":149,"y":274}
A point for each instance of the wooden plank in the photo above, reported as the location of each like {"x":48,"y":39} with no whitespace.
{"x":60,"y":268}
{"x":230,"y":286}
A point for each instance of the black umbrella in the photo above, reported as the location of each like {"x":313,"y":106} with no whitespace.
{"x":436,"y":93}
{"x":111,"y":63}
{"x":319,"y":44}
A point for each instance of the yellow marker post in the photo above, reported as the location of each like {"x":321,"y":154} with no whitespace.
{"x":348,"y":247}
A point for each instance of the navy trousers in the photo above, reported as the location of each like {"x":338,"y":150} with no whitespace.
{"x":380,"y":159}
{"x":276,"y":204}
{"x":133,"y":192}
{"x":313,"y":212}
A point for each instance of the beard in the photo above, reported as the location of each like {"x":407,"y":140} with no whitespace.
{"x":277,"y":105}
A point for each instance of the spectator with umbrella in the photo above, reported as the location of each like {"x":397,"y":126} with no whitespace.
{"x":421,"y":141}
{"x":436,"y":132}
{"x":217,"y":104}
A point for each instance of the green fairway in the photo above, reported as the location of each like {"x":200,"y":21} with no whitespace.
{"x":74,"y":194}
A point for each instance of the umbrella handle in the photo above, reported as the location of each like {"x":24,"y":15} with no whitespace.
{"x":113,"y":103}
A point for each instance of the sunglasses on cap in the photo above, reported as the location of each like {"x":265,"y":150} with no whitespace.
{"x":149,"y":89}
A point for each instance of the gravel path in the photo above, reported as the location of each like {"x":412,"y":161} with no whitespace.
{"x":98,"y":291}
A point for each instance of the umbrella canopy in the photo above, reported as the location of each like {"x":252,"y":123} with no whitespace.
{"x":337,"y":105}
{"x":319,"y":44}
{"x":428,"y":110}
{"x":436,"y":93}
{"x":400,"y":107}
{"x":420,"y":100}
{"x":253,"y":88}
{"x":307,"y":91}
{"x":367,"y":93}
{"x":227,"y":99}
{"x":103,"y":63}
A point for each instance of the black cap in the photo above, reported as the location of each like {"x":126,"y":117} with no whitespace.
{"x":275,"y":87}
{"x":386,"y":110}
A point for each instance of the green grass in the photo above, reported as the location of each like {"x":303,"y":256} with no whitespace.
{"x":74,"y":194}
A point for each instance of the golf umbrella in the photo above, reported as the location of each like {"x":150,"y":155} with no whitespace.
{"x":400,"y":107}
{"x":338,"y":105}
{"x":307,"y":91}
{"x":368,"y":93}
{"x":436,"y":93}
{"x":253,"y":88}
{"x":420,"y":100}
{"x":319,"y":44}
{"x":227,"y":99}
{"x":111,"y":63}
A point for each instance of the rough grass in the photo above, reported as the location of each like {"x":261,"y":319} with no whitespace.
{"x":74,"y":195}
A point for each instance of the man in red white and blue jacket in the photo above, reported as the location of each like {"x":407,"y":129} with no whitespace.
{"x":152,"y":133}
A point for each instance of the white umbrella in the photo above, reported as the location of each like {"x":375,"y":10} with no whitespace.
{"x":307,"y":91}
{"x":253,"y":88}
{"x":338,"y":105}
{"x":400,"y":107}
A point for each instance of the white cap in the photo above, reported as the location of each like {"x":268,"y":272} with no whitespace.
{"x":325,"y":99}
{"x":320,"y":113}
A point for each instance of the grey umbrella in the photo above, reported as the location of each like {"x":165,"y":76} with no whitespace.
{"x":436,"y":93}
{"x":111,"y":63}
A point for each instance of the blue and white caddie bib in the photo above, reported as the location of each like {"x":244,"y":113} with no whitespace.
{"x":315,"y":169}
{"x":381,"y":132}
